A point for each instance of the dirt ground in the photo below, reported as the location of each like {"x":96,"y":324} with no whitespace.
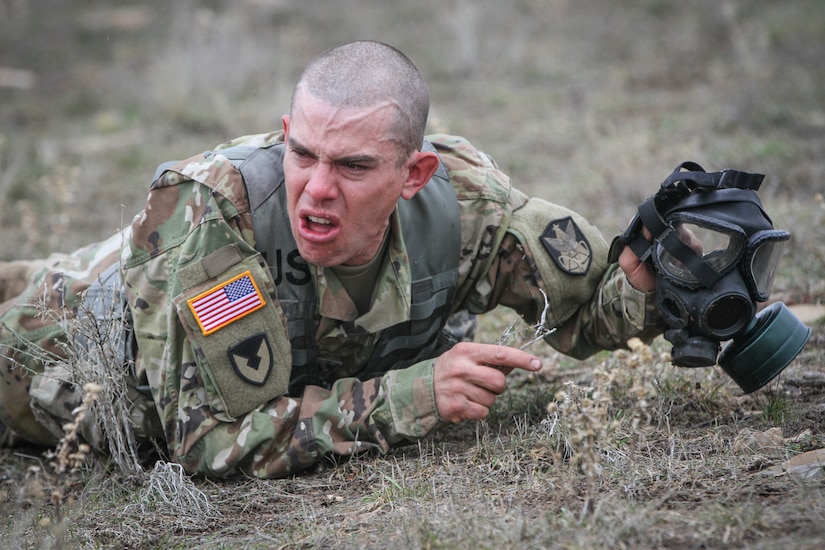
{"x":675,"y":460}
{"x":587,"y":104}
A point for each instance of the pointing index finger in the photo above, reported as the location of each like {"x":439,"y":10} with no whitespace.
{"x":504,"y":357}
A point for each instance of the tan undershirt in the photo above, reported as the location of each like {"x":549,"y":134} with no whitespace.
{"x":359,"y":280}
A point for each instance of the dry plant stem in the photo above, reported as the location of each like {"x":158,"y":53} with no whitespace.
{"x":65,"y":456}
{"x":583,"y":421}
{"x":169,"y":488}
{"x":511,"y":334}
{"x":91,"y":359}
{"x":93,"y":356}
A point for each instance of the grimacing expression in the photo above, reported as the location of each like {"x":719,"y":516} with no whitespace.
{"x":343,"y":179}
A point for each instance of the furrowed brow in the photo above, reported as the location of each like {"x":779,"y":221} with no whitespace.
{"x":368,"y":160}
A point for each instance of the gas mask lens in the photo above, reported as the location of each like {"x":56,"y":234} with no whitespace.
{"x":762,"y":260}
{"x":719,"y":246}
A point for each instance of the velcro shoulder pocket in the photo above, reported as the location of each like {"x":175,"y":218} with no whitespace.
{"x":237,"y":328}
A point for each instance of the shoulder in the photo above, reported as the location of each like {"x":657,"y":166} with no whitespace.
{"x":474,"y":174}
{"x":485,"y":197}
{"x":205,"y":190}
{"x":214,"y":168}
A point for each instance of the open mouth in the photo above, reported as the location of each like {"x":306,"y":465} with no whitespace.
{"x":317,"y":220}
{"x":317,"y":228}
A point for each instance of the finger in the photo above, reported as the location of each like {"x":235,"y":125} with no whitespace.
{"x":464,"y":409}
{"x":504,"y":370}
{"x":474,"y":411}
{"x":481,"y":396}
{"x":503,"y":356}
{"x":638,"y":274}
{"x":483,"y":377}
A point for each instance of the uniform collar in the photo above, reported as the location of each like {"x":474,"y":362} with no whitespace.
{"x":393,"y":289}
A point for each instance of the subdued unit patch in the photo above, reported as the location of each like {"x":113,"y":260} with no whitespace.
{"x":252,"y":359}
{"x":567,"y":245}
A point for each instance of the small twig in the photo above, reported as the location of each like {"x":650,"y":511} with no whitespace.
{"x":540,"y":329}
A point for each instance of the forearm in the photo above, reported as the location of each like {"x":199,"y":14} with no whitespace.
{"x":616,"y":313}
{"x":284,"y":436}
{"x":288,"y":435}
{"x":589,"y":303}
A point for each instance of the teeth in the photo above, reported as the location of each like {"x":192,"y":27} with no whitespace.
{"x":319,"y":220}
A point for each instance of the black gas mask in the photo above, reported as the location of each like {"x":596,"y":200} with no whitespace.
{"x":715,"y":254}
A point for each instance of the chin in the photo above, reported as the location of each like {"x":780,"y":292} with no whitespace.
{"x":318,"y":258}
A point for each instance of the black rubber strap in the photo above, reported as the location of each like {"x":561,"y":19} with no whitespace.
{"x":686,"y":178}
{"x":689,"y":175}
{"x":692,"y":260}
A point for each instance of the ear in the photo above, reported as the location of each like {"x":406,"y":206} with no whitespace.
{"x":285,"y":123}
{"x":421,"y":167}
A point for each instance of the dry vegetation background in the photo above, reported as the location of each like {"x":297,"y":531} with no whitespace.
{"x":590,"y":104}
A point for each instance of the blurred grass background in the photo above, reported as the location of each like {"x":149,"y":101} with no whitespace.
{"x":589,"y":104}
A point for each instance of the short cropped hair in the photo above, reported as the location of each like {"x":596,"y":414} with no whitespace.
{"x":364,"y":73}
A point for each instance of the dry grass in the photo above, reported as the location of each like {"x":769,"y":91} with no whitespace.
{"x":621,"y":451}
{"x":588,"y":104}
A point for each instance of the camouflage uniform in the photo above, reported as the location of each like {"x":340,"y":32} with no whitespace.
{"x":219,"y":420}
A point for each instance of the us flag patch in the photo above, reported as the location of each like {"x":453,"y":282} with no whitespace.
{"x":226,"y":303}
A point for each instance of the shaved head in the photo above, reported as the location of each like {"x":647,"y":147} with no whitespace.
{"x":364,"y":73}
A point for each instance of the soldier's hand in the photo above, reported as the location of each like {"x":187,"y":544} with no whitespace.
{"x":637,"y":272}
{"x":470,"y":376}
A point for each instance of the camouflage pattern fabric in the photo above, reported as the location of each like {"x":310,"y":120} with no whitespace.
{"x":513,"y":248}
{"x":462,"y":326}
{"x":37,"y":395}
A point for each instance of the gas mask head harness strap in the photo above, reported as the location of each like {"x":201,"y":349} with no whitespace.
{"x":715,"y":253}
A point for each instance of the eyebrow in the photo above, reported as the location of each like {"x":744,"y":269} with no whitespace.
{"x":294,"y":144}
{"x":356,"y":159}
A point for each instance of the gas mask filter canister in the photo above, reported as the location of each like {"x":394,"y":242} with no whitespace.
{"x":715,"y":254}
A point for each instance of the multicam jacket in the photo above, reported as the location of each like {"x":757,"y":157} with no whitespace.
{"x":196,"y":236}
{"x":215,"y":347}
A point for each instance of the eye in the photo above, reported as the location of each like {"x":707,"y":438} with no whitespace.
{"x":301,"y":156}
{"x":355,"y":167}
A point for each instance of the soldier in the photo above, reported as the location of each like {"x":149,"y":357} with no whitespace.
{"x":286,"y":294}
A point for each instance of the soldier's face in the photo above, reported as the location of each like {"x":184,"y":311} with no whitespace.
{"x":343,"y":179}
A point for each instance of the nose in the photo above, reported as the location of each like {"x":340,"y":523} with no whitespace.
{"x":322,"y":183}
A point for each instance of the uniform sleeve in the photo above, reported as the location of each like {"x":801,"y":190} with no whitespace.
{"x":592,"y":306}
{"x":289,"y":434}
{"x":515,"y":247}
{"x":286,"y":434}
{"x":188,"y":241}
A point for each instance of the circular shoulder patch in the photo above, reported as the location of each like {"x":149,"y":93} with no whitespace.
{"x":567,"y":245}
